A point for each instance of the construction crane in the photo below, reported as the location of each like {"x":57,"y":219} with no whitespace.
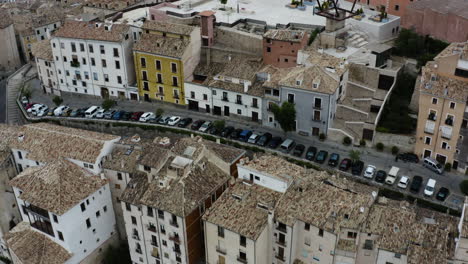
{"x":330,"y":9}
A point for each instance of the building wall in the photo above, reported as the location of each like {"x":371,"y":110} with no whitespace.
{"x":385,"y":257}
{"x":310,"y":246}
{"x":9,"y":55}
{"x":262,"y":179}
{"x":26,"y":42}
{"x":390,"y":5}
{"x":239,"y":40}
{"x":378,"y":30}
{"x":200,"y":92}
{"x":48,"y":75}
{"x":44,"y":31}
{"x":282,"y":54}
{"x":93,"y":76}
{"x":448,"y":27}
{"x":243,"y":109}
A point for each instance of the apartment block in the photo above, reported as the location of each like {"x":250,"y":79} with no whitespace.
{"x":162,"y":206}
{"x":95,"y":59}
{"x":443,"y":112}
{"x":47,"y":73}
{"x":165,"y":57}
{"x":9,"y":55}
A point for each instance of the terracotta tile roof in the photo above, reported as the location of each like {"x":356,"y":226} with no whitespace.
{"x":238,"y":209}
{"x":45,"y":142}
{"x":123,"y":159}
{"x":171,"y":47}
{"x":303,"y":77}
{"x":84,"y":30}
{"x":324,"y":60}
{"x":42,"y":50}
{"x":160,"y":26}
{"x":285,"y":35}
{"x":226,"y":153}
{"x":456,"y":48}
{"x":443,"y":85}
{"x":57,"y":186}
{"x":5,"y":20}
{"x":34,"y":247}
{"x":136,"y":188}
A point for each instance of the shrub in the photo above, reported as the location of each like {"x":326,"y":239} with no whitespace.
{"x":464,"y":187}
{"x":322,"y":136}
{"x":219,"y":124}
{"x":395,"y":150}
{"x":347,"y":141}
{"x":380,"y":146}
{"x":354,"y":155}
{"x":57,"y":100}
{"x":362,"y":143}
{"x":107,"y":104}
{"x":391,"y":194}
{"x":159,"y":112}
{"x":448,"y":166}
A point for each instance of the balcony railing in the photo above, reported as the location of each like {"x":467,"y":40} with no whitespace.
{"x":154,"y":243}
{"x":432,"y":117}
{"x":281,"y":228}
{"x":279,"y":257}
{"x":239,"y":102}
{"x":176,"y":96}
{"x":318,"y":107}
{"x":136,"y":237}
{"x":152,"y":228}
{"x":429,"y":128}
{"x":160,"y":94}
{"x":176,"y":250}
{"x":242,"y":260}
{"x":75,"y":64}
{"x":37,"y":211}
{"x":175,"y":238}
{"x":174,"y":223}
{"x":254,"y":105}
{"x":220,"y":250}
{"x":281,"y":242}
{"x":225,"y":99}
{"x":316,"y":120}
{"x":449,"y":121}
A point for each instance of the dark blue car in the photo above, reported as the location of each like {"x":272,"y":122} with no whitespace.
{"x":244,"y":135}
{"x":118,"y":115}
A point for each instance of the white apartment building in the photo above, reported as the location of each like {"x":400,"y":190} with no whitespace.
{"x":45,"y":27}
{"x":162,"y":207}
{"x":45,"y":64}
{"x":228,"y":89}
{"x":95,"y":59}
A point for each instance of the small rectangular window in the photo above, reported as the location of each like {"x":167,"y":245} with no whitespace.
{"x":88,"y":223}
{"x":98,"y":214}
{"x":60,"y":235}
{"x":55,"y":218}
{"x":83,"y":207}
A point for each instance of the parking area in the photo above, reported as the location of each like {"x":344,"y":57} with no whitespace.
{"x":271,"y":139}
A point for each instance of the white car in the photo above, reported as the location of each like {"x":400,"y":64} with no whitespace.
{"x":34,"y":107}
{"x":253,"y":138}
{"x":38,"y":109}
{"x":42,"y":111}
{"x":403,"y":183}
{"x":60,"y":110}
{"x":147,"y":116}
{"x":24,"y":100}
{"x":173,"y":120}
{"x":430,"y":187}
{"x":205,"y":126}
{"x":370,"y":171}
{"x":100,"y":113}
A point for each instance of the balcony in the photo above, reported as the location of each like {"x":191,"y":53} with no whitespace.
{"x":432,"y":117}
{"x":281,"y":228}
{"x":281,"y":242}
{"x":241,"y":259}
{"x":138,"y":250}
{"x":152,"y":228}
{"x":37,"y":211}
{"x":75,"y":64}
{"x":318,"y":107}
{"x":316,"y":120}
{"x":239,"y":102}
{"x":279,"y":257}
{"x":174,"y":238}
{"x":174,"y":223}
{"x":225,"y":99}
{"x":220,"y":250}
{"x":449,"y":121}
{"x":160,"y":94}
{"x":429,"y":128}
{"x":155,"y":253}
{"x":446,"y":132}
{"x":176,"y":250}
{"x":176,"y":96}
{"x":154,"y":243}
{"x":44,"y":226}
{"x":254,"y":105}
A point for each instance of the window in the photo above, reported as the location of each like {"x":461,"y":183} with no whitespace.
{"x":238,"y":99}
{"x":444,"y":145}
{"x":452,"y":105}
{"x":60,"y":235}
{"x":104,"y":63}
{"x":20,"y":156}
{"x":320,"y":232}
{"x":134,"y":221}
{"x":101,"y":48}
{"x":175,"y":81}
{"x":306,"y":226}
{"x":55,"y":218}
{"x":397,"y":7}
{"x":74,"y":82}
{"x":64,"y":59}
{"x":83,"y":207}
{"x":158,"y":65}
{"x":93,"y":62}
{"x":173,"y":67}
{"x":268,"y":49}
{"x":73,"y":47}
{"x":62,"y":45}
{"x":106,"y":77}
{"x":205,"y":97}
{"x":352,"y":234}
{"x":95,"y":76}
{"x":88,"y":223}
{"x":239,"y":112}
{"x":90,"y":48}
{"x":201,"y":209}
{"x":220,"y":231}
{"x":128,"y":207}
{"x":146,"y":88}
{"x":149,"y":211}
{"x":82,"y":47}
{"x":318,"y":102}
{"x":116,"y":52}
{"x":119,"y":79}
{"x":143,"y":62}
{"x":117,"y":65}
{"x":434,"y":100}
{"x":192,"y":94}
{"x":104,"y":208}
{"x":159,"y":78}
{"x":243,"y":241}
{"x":160,"y":214}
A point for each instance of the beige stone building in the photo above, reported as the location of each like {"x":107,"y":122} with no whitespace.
{"x":9,"y":55}
{"x":443,"y":113}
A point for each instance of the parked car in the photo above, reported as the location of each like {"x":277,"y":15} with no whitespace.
{"x":197,"y":124}
{"x":430,"y":187}
{"x":298,"y":150}
{"x":51,"y":112}
{"x":321,"y":156}
{"x":253,"y":138}
{"x":80,"y":112}
{"x":245,"y":135}
{"x":118,"y":115}
{"x":42,"y":111}
{"x":345,"y":164}
{"x":154,"y":120}
{"x":67,"y":112}
{"x":28,"y":107}
{"x":310,"y":153}
{"x":287,"y":145}
{"x":416,"y":184}
{"x":357,"y":167}
{"x":380,"y":176}
{"x":204,"y":128}
{"x":236,"y":133}
{"x":163,"y":120}
{"x":145,"y":117}
{"x":24,"y":100}
{"x":392,"y":175}
{"x":127,"y":115}
{"x":109,"y":113}
{"x":100,"y":113}
{"x":34,"y":108}
{"x":433,"y":165}
{"x":92,"y":111}
{"x":442,"y":194}
{"x":136,"y":116}
{"x":263,"y":141}
{"x":370,"y":171}
{"x":227,"y":131}
{"x":59,"y":110}
{"x":408,"y":156}
{"x":184,"y":122}
{"x":403,"y":183}
{"x":214,"y":131}
{"x":333,"y":160}
{"x":173,"y":120}
{"x":275,"y":142}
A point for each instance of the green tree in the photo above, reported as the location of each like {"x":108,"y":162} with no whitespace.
{"x":107,"y":104}
{"x":219,"y":124}
{"x":464,"y":187}
{"x":57,"y":100}
{"x":395,"y":150}
{"x":159,"y":112}
{"x":285,"y":115}
{"x":26,"y":91}
{"x":347,"y":140}
{"x":362,"y":143}
{"x":313,"y":35}
{"x":379,"y":146}
{"x":119,"y":255}
{"x":354,"y":155}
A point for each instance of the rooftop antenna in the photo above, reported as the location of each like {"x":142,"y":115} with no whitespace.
{"x":331,"y":10}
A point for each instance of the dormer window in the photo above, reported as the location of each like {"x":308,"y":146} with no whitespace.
{"x":237,"y":197}
{"x":298,"y":82}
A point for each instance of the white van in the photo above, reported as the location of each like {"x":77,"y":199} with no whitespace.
{"x":392,"y":175}
{"x":287,"y":145}
{"x":433,"y":165}
{"x":430,"y":187}
{"x":92,"y":111}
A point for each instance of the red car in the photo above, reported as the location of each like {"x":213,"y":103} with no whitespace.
{"x":29,"y":105}
{"x":136,"y":116}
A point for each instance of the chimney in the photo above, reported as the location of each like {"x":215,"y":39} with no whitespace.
{"x":246,"y":86}
{"x":207,"y":28}
{"x":21,"y":138}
